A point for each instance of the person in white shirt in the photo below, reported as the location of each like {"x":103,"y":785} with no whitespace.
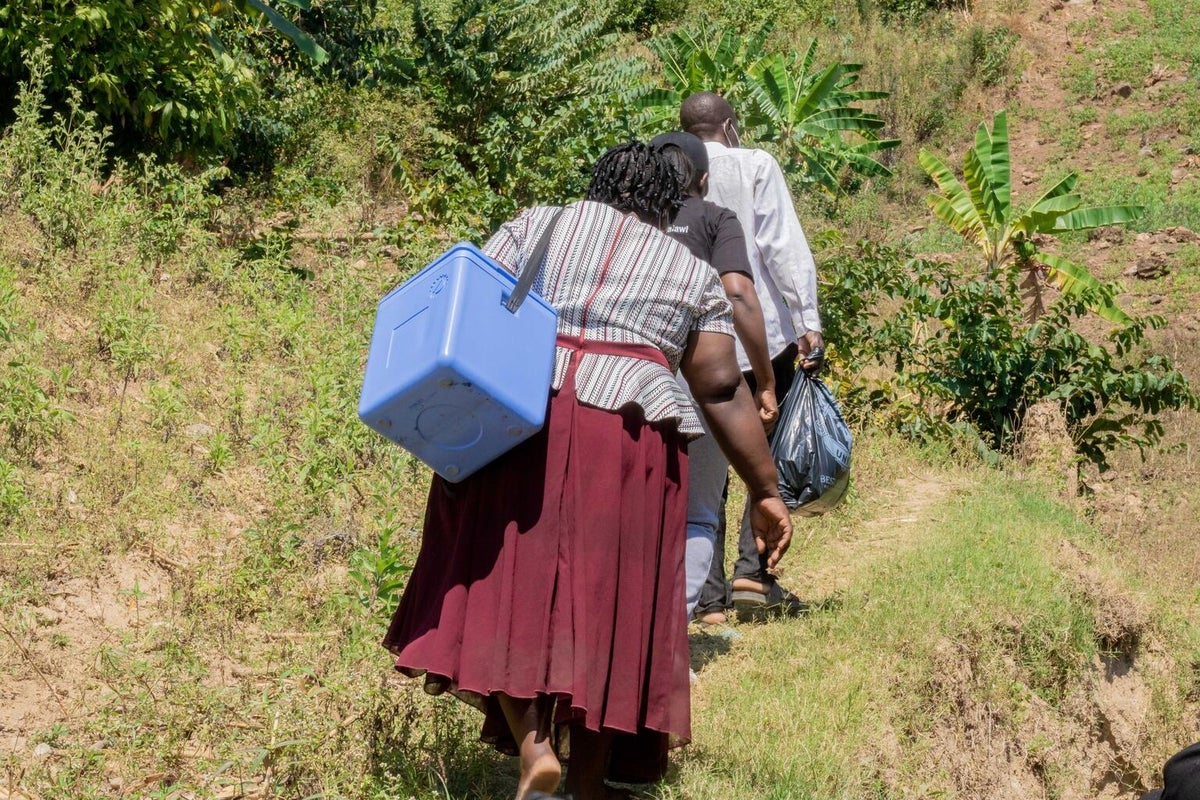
{"x":750,"y":183}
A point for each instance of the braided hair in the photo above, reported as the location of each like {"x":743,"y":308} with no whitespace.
{"x":636,"y":177}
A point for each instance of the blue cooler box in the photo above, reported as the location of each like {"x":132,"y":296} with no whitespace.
{"x":452,"y":375}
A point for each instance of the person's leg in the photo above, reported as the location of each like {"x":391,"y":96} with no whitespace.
{"x":530,"y":724}
{"x":714,"y":595}
{"x":588,"y":763}
{"x":708,"y":470}
{"x":750,"y":565}
{"x":698,"y":559}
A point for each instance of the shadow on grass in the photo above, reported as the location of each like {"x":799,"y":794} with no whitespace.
{"x":709,"y":642}
{"x":429,"y":747}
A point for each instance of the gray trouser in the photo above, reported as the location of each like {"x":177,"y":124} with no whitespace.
{"x":708,"y":473}
{"x":714,"y":591}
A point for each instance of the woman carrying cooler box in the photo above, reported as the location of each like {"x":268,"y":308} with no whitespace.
{"x":548,"y":589}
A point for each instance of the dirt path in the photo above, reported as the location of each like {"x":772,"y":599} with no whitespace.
{"x":906,"y":510}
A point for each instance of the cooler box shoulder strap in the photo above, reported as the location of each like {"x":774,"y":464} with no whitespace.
{"x":533,"y":266}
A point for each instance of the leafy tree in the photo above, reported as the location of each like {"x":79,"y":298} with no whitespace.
{"x":517,"y":89}
{"x":981,"y":211}
{"x":782,"y":99}
{"x":155,"y":71}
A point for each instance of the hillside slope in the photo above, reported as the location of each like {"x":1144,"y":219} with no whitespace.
{"x":199,"y":537}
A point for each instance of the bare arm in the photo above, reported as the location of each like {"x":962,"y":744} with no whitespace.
{"x":752,"y":333}
{"x":724,"y":398}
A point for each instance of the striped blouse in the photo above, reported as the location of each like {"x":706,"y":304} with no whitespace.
{"x":611,"y":277}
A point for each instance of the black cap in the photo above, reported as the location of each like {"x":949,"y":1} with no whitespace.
{"x":690,"y":144}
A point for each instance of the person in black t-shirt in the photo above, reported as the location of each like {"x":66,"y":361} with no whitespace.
{"x":1181,"y":776}
{"x":713,"y":234}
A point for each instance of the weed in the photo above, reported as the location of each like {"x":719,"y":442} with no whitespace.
{"x":380,"y":573}
{"x":1083,"y":115}
{"x":1081,"y":79}
{"x":128,"y":330}
{"x":133,"y":600}
{"x":166,"y":407}
{"x":220,"y":454}
{"x":173,"y":207}
{"x":29,"y":413}
{"x":12,"y":491}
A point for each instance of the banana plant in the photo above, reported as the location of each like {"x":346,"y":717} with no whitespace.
{"x":980,"y":209}
{"x":707,"y":59}
{"x":805,"y":112}
{"x":781,"y":98}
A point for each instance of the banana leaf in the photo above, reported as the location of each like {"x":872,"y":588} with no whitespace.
{"x":999,"y":167}
{"x":1083,"y":219}
{"x":845,"y":118}
{"x":1043,"y":217}
{"x":1072,"y":278}
{"x":865,"y":165}
{"x":953,"y":206}
{"x":304,"y":43}
{"x":979,"y":186}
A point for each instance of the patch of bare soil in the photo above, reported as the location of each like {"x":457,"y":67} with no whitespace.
{"x":1092,"y":744}
{"x":1045,"y":450}
{"x":48,"y":660}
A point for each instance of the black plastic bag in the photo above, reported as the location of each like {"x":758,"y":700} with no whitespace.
{"x":811,"y":446}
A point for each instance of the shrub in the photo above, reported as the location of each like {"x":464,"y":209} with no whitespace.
{"x":157,"y":72}
{"x":146,"y":69}
{"x":54,"y":169}
{"x":172,"y":207}
{"x":913,"y":10}
{"x":517,"y":90}
{"x":960,"y":351}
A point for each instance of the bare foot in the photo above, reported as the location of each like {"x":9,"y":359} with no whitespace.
{"x":540,"y":771}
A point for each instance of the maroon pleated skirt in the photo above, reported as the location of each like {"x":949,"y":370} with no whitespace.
{"x":559,"y":570}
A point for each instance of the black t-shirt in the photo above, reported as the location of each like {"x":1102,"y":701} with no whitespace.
{"x":713,"y":234}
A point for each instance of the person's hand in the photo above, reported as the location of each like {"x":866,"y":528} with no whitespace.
{"x":772,"y":527}
{"x":810,"y":341}
{"x":812,"y":350}
{"x":768,"y":408}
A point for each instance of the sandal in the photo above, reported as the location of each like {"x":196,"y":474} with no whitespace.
{"x":715,"y":623}
{"x":752,"y":604}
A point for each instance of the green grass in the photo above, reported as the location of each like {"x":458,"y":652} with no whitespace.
{"x":813,"y":707}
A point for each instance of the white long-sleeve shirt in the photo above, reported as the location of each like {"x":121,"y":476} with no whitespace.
{"x":750,"y":183}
